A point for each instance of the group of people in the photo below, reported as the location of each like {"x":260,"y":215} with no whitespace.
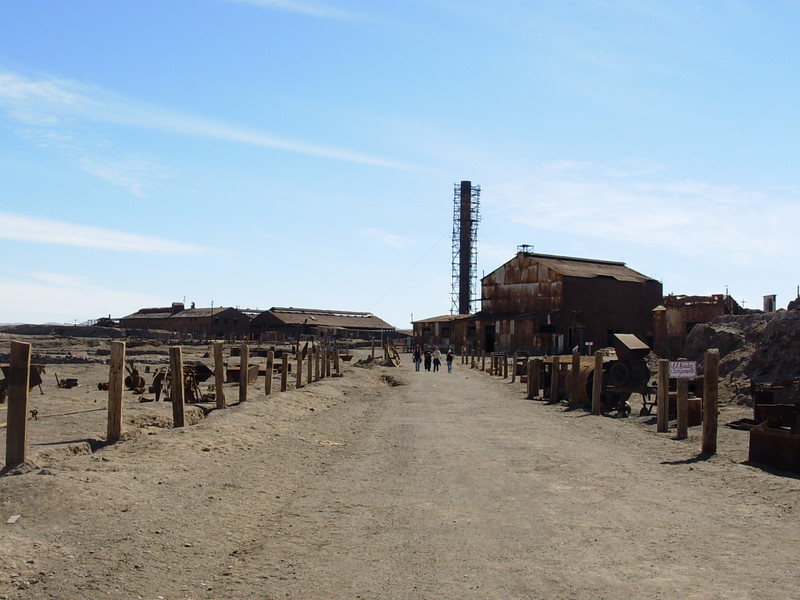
{"x":432,"y":358}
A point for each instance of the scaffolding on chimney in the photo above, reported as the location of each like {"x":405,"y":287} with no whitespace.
{"x":464,"y":250}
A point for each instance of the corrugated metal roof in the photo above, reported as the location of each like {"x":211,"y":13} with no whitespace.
{"x":328,"y":318}
{"x":443,"y":319}
{"x":588,"y":268}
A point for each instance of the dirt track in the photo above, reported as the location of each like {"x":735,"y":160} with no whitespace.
{"x":449,"y":486}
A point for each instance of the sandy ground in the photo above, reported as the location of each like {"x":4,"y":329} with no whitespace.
{"x":385,"y":483}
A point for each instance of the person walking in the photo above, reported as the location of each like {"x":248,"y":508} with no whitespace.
{"x":449,"y":359}
{"x":437,"y":359}
{"x":427,"y":360}
{"x":417,"y":357}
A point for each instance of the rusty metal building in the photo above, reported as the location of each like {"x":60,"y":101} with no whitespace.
{"x":447,"y":331}
{"x":548,"y":304}
{"x":675,"y":317}
{"x":223,"y":322}
{"x":290,"y":323}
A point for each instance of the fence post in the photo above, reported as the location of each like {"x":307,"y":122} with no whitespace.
{"x":176,"y":386}
{"x":115,"y":379}
{"x":710,"y":401}
{"x":219,"y":376}
{"x":244,"y":367}
{"x":554,"y":376}
{"x":310,"y":358}
{"x":270,"y":367}
{"x":336,"y":362}
{"x":662,"y":402}
{"x":284,"y":370}
{"x":575,"y":379}
{"x":19,"y":371}
{"x":299,"y":378}
{"x":597,"y":382}
{"x":505,"y":365}
{"x":682,"y":387}
{"x":531,"y":391}
{"x":328,"y":362}
{"x":317,"y":359}
{"x":483,"y":360}
{"x":514,"y":368}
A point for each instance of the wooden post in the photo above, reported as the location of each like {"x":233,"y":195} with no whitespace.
{"x":531,"y":391}
{"x":682,"y":388}
{"x":597,"y":383}
{"x":537,"y":377}
{"x":575,"y":377}
{"x":115,"y":380}
{"x":483,"y":360}
{"x":270,"y":367}
{"x":710,"y":401}
{"x":373,"y":346}
{"x":323,"y":359}
{"x":176,"y":386}
{"x":317,"y":359}
{"x":219,"y":376}
{"x":284,"y":370}
{"x":19,"y":372}
{"x":299,"y":376}
{"x":662,"y":402}
{"x":505,"y":365}
{"x":514,"y":368}
{"x":554,"y":360}
{"x":311,"y":353}
{"x":244,"y":367}
{"x":336,"y":362}
{"x":328,"y":362}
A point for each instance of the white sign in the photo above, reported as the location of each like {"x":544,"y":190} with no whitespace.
{"x":682,"y":369}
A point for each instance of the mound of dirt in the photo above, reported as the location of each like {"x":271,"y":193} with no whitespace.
{"x":754,"y":347}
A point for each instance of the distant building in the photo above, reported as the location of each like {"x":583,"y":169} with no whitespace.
{"x":545,"y":304}
{"x":675,"y":317}
{"x":447,"y":331}
{"x":279,"y":323}
{"x":221,"y":322}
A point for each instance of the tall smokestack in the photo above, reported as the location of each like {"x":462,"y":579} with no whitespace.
{"x":465,"y":250}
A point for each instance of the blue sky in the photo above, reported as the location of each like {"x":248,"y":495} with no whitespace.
{"x":259,"y":153}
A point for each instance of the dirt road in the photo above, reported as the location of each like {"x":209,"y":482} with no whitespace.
{"x":447,"y":486}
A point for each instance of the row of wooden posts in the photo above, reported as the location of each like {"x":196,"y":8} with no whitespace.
{"x":498,"y":365}
{"x":319,"y":364}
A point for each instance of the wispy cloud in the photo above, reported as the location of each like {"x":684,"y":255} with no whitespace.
{"x":47,"y":231}
{"x":47,"y":102}
{"x":63,"y":298}
{"x":387,"y":239}
{"x":312,"y":9}
{"x":685,"y":217}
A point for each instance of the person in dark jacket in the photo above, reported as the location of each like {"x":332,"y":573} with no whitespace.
{"x":428,"y":360}
{"x":417,"y":357}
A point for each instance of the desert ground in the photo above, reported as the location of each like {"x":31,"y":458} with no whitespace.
{"x":385,"y":483}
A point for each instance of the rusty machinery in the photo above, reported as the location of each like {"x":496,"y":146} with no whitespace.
{"x":625,"y":372}
{"x":193,"y":376}
{"x":775,"y":439}
{"x":34,"y":379}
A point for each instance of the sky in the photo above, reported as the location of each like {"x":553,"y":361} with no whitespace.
{"x":259,"y":153}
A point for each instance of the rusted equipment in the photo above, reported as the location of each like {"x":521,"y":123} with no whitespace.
{"x":775,"y":440}
{"x":67,"y":383}
{"x":193,"y":376}
{"x":232,"y":373}
{"x":134,"y":381}
{"x":392,"y":355}
{"x":34,"y":379}
{"x":625,"y":372}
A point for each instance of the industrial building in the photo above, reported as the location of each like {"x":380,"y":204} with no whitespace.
{"x":221,"y":322}
{"x":278,"y":324}
{"x":675,"y":317}
{"x":546,"y":304}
